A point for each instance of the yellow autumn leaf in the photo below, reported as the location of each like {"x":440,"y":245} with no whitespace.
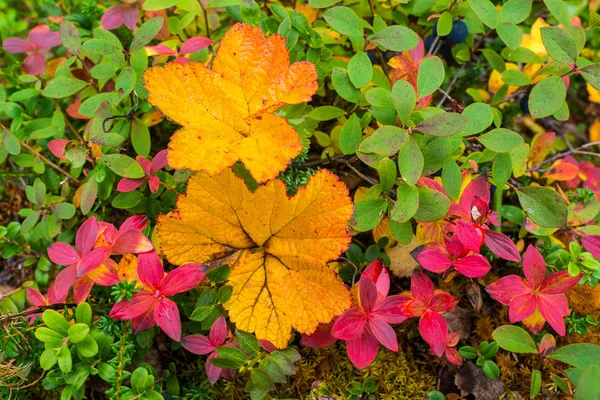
{"x":277,"y":247}
{"x":533,"y":40}
{"x":226,"y":111}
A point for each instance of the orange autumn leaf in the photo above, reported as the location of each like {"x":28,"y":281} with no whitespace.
{"x":540,"y":147}
{"x":226,"y":111}
{"x":277,"y":247}
{"x":562,"y":170}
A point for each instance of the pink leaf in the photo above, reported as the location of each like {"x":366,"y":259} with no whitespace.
{"x":320,"y":338}
{"x":559,"y":282}
{"x":219,"y":331}
{"x":473,"y":266}
{"x":137,"y":222}
{"x":57,"y":147}
{"x":453,"y":356}
{"x":212,"y":371}
{"x":140,"y":302}
{"x":144,"y":163}
{"x":434,"y":330}
{"x":554,"y":308}
{"x":194,"y":44}
{"x":362,"y":350}
{"x":52,"y":297}
{"x":469,"y":236}
{"x":82,"y":288}
{"x":442,"y":302}
{"x":159,"y":161}
{"x":182,"y":279}
{"x":166,"y":316}
{"x":154,"y":183}
{"x":132,"y":241}
{"x":521,"y":307}
{"x":368,"y":293}
{"x":64,"y":280}
{"x":534,"y":267}
{"x":144,"y":321}
{"x":130,"y":16}
{"x":92,"y":260}
{"x":507,"y":288}
{"x":16,"y":45}
{"x":350,"y":325}
{"x":391,"y":309}
{"x":35,"y":297}
{"x":63,"y":254}
{"x":434,"y":261}
{"x":160,"y":50}
{"x":35,"y":64}
{"x":380,"y":276}
{"x":128,"y":185}
{"x":43,"y":39}
{"x":384,"y":333}
{"x":501,"y":246}
{"x":592,"y":244}
{"x":150,"y":269}
{"x":421,"y":287}
{"x":198,"y":344}
{"x":87,"y":236}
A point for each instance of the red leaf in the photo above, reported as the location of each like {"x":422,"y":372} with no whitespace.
{"x":182,"y":279}
{"x":198,"y":344}
{"x":554,"y":308}
{"x":379,"y":275}
{"x":507,"y":288}
{"x":150,"y":269}
{"x":534,"y":267}
{"x":132,"y":241}
{"x":592,"y":244}
{"x":166,"y":316}
{"x":320,"y":338}
{"x":522,"y":307}
{"x":350,"y":325}
{"x":501,"y":246}
{"x":473,"y":266}
{"x":434,"y":330}
{"x":93,"y":260}
{"x":63,"y":254}
{"x":362,"y":350}
{"x":384,"y":333}
{"x":86,"y":236}
{"x":35,"y":297}
{"x":421,"y":287}
{"x":140,"y":303}
{"x":434,"y":261}
{"x":469,"y":236}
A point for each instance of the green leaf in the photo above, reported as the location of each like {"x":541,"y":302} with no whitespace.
{"x":88,"y":196}
{"x":260,"y":380}
{"x":480,"y":116}
{"x":515,"y":78}
{"x":344,"y":20}
{"x":49,"y":336}
{"x":10,"y":142}
{"x":78,"y":332}
{"x":248,"y":343}
{"x":578,"y":355}
{"x":321,"y":3}
{"x":343,"y":85}
{"x":544,"y":206}
{"x":401,"y":231}
{"x":560,"y":45}
{"x":326,"y":113}
{"x":500,"y":140}
{"x":433,"y":205}
{"x":350,"y":135}
{"x":48,"y":359}
{"x":396,"y":38}
{"x":146,"y":33}
{"x":502,"y":168}
{"x":490,"y":369}
{"x":536,"y":383}
{"x":588,"y":385}
{"x":126,"y":81}
{"x":452,"y":179}
{"x":65,"y":362}
{"x":83,"y":313}
{"x":443,"y":124}
{"x":559,"y":10}
{"x":514,"y":339}
{"x":591,"y":73}
{"x":410,"y":161}
{"x":63,"y":210}
{"x":273,"y":370}
{"x":404,"y":99}
{"x":100,"y":47}
{"x":156,"y":5}
{"x":360,"y":69}
{"x":387,"y":174}
{"x":486,"y":12}
{"x":201,"y":313}
{"x":219,"y":274}
{"x":123,"y":165}
{"x":407,"y":203}
{"x":430,"y":76}
{"x":56,"y":321}
{"x":385,"y":141}
{"x":368,"y":214}
{"x":232,"y":354}
{"x":380,"y":97}
{"x":88,"y":347}
{"x":23,"y":95}
{"x":444,"y":26}
{"x":62,"y":87}
{"x":515,"y":11}
{"x":140,"y":137}
{"x":70,"y":37}
{"x":127,"y":200}
{"x":510,"y":34}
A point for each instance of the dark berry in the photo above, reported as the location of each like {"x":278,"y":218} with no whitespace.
{"x":429,"y":41}
{"x":459,"y":32}
{"x":434,"y":30}
{"x":524,"y":102}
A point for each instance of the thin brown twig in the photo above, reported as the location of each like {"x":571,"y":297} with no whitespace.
{"x":48,"y":162}
{"x":357,"y":172}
